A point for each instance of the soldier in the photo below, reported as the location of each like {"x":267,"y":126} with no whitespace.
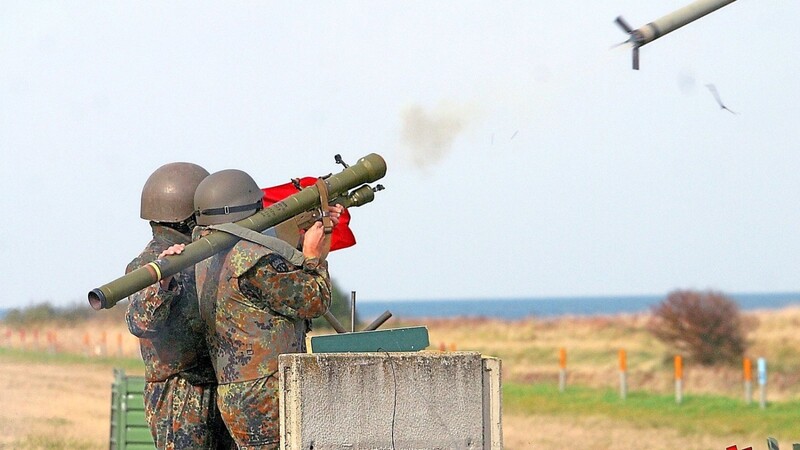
{"x":179,"y":378}
{"x":255,"y":300}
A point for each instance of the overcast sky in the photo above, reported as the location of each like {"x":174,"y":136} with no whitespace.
{"x":525,"y":157}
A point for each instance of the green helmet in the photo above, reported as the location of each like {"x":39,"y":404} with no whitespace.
{"x":168,"y":195}
{"x":226,"y":196}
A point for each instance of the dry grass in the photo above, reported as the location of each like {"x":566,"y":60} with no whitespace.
{"x":65,"y":405}
{"x":54,"y":406}
{"x":96,"y":338}
{"x":529,"y":349}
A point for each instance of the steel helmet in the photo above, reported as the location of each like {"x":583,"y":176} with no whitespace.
{"x":168,"y":195}
{"x":226,"y":196}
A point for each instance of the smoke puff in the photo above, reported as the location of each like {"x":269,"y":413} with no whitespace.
{"x":687,"y":82}
{"x":429,"y":135}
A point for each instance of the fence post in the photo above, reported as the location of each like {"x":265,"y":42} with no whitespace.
{"x":748,"y":380}
{"x":51,"y":342}
{"x":623,"y":367}
{"x":678,"y":379}
{"x":762,"y":381}
{"x":87,"y":345}
{"x":562,"y":373}
{"x":103,"y":350}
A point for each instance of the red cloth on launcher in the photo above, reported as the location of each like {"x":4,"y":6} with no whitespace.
{"x":342,"y":236}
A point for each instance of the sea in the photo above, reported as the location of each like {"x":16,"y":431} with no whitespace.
{"x":520,"y":308}
{"x":514,"y":309}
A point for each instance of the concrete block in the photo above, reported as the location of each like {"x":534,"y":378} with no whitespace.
{"x":419,"y":400}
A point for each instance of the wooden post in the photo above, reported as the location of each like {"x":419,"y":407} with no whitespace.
{"x":678,"y":379}
{"x":87,"y":344}
{"x":562,"y":373}
{"x":103,"y":343}
{"x":748,"y":380}
{"x":623,"y":368}
{"x":51,"y":342}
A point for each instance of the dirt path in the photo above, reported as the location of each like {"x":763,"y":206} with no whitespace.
{"x":64,"y":406}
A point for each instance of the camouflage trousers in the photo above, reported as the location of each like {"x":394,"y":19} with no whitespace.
{"x":250,"y":411}
{"x":182,"y":416}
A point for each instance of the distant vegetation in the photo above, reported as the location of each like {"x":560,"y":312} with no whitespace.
{"x":46,"y":312}
{"x":78,"y":312}
{"x":705,"y":326}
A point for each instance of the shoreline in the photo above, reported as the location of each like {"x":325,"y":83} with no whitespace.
{"x":471,"y":319}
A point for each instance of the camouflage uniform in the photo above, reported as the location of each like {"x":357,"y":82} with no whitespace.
{"x":256,"y":305}
{"x":179,"y":389}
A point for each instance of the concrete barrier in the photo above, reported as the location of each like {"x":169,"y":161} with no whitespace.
{"x":414,"y":400}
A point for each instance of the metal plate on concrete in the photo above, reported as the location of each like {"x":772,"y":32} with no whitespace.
{"x":409,"y":339}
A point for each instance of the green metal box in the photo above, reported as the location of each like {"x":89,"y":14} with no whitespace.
{"x":129,"y":429}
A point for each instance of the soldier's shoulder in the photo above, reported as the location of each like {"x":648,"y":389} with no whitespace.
{"x":246,"y":255}
{"x":278,"y":263}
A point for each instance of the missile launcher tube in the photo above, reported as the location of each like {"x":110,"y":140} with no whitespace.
{"x":368,"y":169}
{"x":676,"y":19}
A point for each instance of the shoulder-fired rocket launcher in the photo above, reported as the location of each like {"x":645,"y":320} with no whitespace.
{"x":668,"y":24}
{"x":367,"y":170}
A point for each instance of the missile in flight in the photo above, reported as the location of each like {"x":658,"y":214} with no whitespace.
{"x":667,"y":24}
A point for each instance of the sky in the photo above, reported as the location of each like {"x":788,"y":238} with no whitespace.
{"x":525,"y":157}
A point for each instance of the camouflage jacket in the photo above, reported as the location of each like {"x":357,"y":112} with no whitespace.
{"x":167,"y":322}
{"x":255,"y":305}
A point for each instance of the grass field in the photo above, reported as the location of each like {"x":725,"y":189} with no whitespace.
{"x":714,"y":416}
{"x":60,"y":399}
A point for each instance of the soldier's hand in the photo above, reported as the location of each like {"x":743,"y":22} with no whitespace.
{"x":335,"y":212}
{"x":313,"y":241}
{"x":175,"y":249}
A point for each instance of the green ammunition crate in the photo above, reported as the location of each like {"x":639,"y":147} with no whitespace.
{"x":129,"y":429}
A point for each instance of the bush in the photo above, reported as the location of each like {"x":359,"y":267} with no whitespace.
{"x":704,"y":326}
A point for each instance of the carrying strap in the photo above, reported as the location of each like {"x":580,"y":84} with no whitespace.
{"x":327,"y":222}
{"x":278,"y":246}
{"x":322,"y":188}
